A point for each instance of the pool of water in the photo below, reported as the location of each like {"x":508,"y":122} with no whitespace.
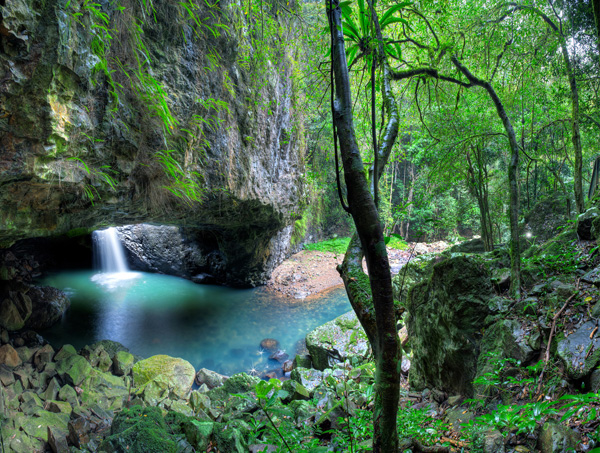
{"x":210,"y":326}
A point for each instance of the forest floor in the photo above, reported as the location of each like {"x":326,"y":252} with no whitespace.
{"x":310,"y":272}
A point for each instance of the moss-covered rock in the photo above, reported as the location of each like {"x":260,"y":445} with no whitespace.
{"x":473,"y":246}
{"x":308,"y":377}
{"x":585,"y":221}
{"x":336,"y":341}
{"x":418,"y":268}
{"x":507,"y":338}
{"x":557,"y":438}
{"x":198,"y":433}
{"x":166,"y":373}
{"x":123,"y":362}
{"x":139,"y":430}
{"x":446,"y":314}
{"x":74,"y":369}
{"x":547,"y":217}
{"x":229,"y":438}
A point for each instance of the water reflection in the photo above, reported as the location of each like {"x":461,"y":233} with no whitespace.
{"x":213,"y":327}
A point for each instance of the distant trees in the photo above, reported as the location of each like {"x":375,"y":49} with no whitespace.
{"x":483,"y":86}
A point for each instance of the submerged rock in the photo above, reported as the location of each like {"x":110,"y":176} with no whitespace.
{"x":269,"y":344}
{"x":337,"y":341}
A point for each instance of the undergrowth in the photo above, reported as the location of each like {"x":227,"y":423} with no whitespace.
{"x":340,"y":245}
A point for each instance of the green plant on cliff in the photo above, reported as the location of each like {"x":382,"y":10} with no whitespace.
{"x":101,"y":175}
{"x":102,"y":36}
{"x":185,"y":184}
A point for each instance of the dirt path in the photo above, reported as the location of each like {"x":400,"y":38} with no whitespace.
{"x":310,"y":272}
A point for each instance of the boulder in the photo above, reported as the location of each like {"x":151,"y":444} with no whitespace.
{"x":123,"y":363}
{"x":15,"y":310}
{"x":296,"y":391}
{"x":336,"y":341}
{"x":57,"y":439}
{"x":212,"y":379}
{"x":98,"y":357}
{"x":139,"y":430}
{"x":507,"y":338}
{"x":43,"y":356}
{"x":111,"y":347}
{"x":79,"y":432}
{"x":73,"y":369}
{"x":584,"y":223}
{"x":302,"y":360}
{"x":9,"y":356}
{"x":411,"y":273}
{"x":472,"y":246}
{"x":557,"y":438}
{"x":48,"y":306}
{"x":279,"y":355}
{"x":168,"y":373}
{"x":309,"y":378}
{"x":198,"y":433}
{"x":287,"y":366}
{"x":446,"y":313}
{"x":229,"y":439}
{"x":574,"y":351}
{"x":547,"y":217}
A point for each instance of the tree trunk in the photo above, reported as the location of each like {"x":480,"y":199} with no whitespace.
{"x":513,"y":184}
{"x":375,"y":298}
{"x":575,"y":132}
{"x":596,"y":6}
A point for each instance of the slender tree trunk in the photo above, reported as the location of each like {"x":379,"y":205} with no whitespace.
{"x":576,"y":135}
{"x":372,"y":296}
{"x":513,"y":183}
{"x":596,"y":6}
{"x":575,"y":132}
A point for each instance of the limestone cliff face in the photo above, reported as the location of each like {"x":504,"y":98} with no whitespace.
{"x":108,"y":110}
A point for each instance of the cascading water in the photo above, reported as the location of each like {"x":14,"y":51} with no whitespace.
{"x":211,"y":326}
{"x":109,"y":256}
{"x":108,"y":251}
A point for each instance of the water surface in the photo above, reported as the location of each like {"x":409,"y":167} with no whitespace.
{"x":210,"y":326}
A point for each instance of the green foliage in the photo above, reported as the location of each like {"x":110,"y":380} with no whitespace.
{"x":336,"y":245}
{"x":101,"y":174}
{"x":395,"y":241}
{"x":526,"y":418}
{"x":556,"y":257}
{"x":184,"y":184}
{"x":300,"y":228}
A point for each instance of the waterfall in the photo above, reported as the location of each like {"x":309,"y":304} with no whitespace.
{"x":109,"y":252}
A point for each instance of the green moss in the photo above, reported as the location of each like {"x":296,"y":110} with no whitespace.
{"x":300,"y":227}
{"x":78,"y":232}
{"x":144,"y":430}
{"x":336,"y":245}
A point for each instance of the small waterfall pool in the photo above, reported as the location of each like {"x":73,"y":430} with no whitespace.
{"x":210,"y":326}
